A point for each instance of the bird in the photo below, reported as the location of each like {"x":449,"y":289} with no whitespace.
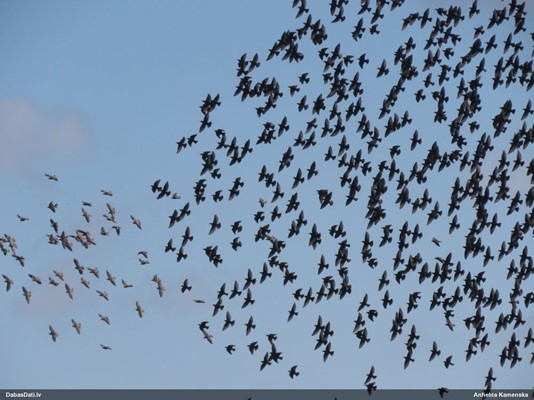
{"x":95,"y":271}
{"x":293,"y":312}
{"x":104,"y":318}
{"x":20,"y":259}
{"x":228,"y":321}
{"x":169,"y":246}
{"x":70,"y":291}
{"x":52,"y":177}
{"x":77,"y":326}
{"x":136,"y":222}
{"x":143,"y":253}
{"x":160,"y":287}
{"x":489,"y":379}
{"x":207,"y":336}
{"x":8,"y":281}
{"x":110,"y":278}
{"x":230,"y":348}
{"x":103,"y":294}
{"x":22,"y":218}
{"x":327,"y":352}
{"x":434,"y":351}
{"x":27,"y":294}
{"x":60,"y":275}
{"x":86,"y":215}
{"x":185,"y":286}
{"x":78,"y":266}
{"x":139,"y":309}
{"x":370,"y":376}
{"x":143,"y":261}
{"x":125,"y":284}
{"x":437,"y":242}
{"x":448,"y":362}
{"x":53,"y":333}
{"x":52,"y":206}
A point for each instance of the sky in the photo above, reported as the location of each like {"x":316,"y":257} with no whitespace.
{"x":98,"y":93}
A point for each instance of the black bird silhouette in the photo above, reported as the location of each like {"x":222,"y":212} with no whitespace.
{"x":370,"y":376}
{"x":434,"y":351}
{"x":293,"y":372}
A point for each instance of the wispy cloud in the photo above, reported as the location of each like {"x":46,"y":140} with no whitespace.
{"x":29,"y":132}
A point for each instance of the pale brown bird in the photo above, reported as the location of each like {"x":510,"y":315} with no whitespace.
{"x":69,"y":291}
{"x":111,"y":213}
{"x":95,"y":272}
{"x":3,"y":248}
{"x":65,"y":241}
{"x":8,"y":281}
{"x":207,"y":336}
{"x":139,"y":309}
{"x":77,"y":326}
{"x":111,"y":278}
{"x":78,"y":267}
{"x":161,"y":289}
{"x":136,"y":221}
{"x":125,"y":284}
{"x":103,"y":294}
{"x":52,"y":239}
{"x":20,"y":259}
{"x":85,"y":283}
{"x":52,"y":281}
{"x":59,"y":274}
{"x":53,"y":333}
{"x":54,"y":225}
{"x":27,"y":294}
{"x":86,"y":215}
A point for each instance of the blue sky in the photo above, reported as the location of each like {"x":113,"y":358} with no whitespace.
{"x":98,"y":93}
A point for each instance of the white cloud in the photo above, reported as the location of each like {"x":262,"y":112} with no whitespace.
{"x":29,"y":133}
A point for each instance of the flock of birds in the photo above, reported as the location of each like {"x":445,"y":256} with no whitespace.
{"x":339,"y":122}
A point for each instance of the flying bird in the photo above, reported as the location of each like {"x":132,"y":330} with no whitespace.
{"x":53,"y":333}
{"x":77,"y":326}
{"x":8,"y":281}
{"x":27,"y":294}
{"x":139,"y":309}
{"x":52,"y":177}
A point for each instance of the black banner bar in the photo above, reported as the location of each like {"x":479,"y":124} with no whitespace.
{"x":442,"y":393}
